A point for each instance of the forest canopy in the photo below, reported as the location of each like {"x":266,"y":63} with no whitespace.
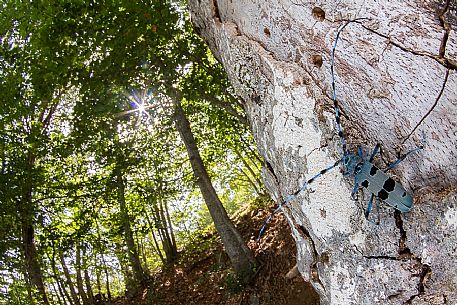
{"x":96,"y":187}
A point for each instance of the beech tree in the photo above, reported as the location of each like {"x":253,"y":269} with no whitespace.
{"x":395,"y":82}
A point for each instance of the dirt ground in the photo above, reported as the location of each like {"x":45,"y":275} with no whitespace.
{"x":206,"y":279}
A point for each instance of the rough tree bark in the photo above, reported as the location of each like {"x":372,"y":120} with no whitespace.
{"x":396,"y":79}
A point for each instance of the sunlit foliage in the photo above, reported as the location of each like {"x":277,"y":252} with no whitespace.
{"x":86,"y":99}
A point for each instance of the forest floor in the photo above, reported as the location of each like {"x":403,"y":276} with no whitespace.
{"x":203,"y":277}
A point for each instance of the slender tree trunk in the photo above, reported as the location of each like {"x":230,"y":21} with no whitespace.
{"x":161,"y":225}
{"x":56,"y":276}
{"x":90,"y":294}
{"x":57,"y":294}
{"x":98,"y":279}
{"x":131,"y":286}
{"x":33,"y":267}
{"x":141,"y":252}
{"x":144,"y":255}
{"x":252,"y":151}
{"x":134,"y":259}
{"x":154,"y":238}
{"x":254,"y":186}
{"x":249,"y":168}
{"x":240,"y":255}
{"x":63,"y":291}
{"x":171,"y":232}
{"x":171,"y":250}
{"x":105,"y":268}
{"x":79,"y":279}
{"x":73,"y":293}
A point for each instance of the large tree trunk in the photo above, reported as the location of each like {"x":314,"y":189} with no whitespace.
{"x":26,"y":212}
{"x":395,"y":79}
{"x":240,"y":255}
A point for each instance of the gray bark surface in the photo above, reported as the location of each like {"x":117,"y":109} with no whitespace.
{"x":396,"y":80}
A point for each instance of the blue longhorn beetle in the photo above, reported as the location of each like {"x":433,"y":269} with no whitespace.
{"x":365,"y":173}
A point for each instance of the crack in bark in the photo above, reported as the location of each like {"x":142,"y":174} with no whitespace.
{"x":446,"y":76}
{"x":270,"y":168}
{"x":446,"y":62}
{"x":403,"y":249}
{"x":386,"y":257}
{"x":423,"y":277}
{"x":216,"y":16}
{"x":316,"y":149}
{"x":316,"y":257}
{"x":405,"y":252}
{"x":447,"y":29}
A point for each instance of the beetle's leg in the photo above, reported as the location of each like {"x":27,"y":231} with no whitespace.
{"x":369,"y":208}
{"x":360,"y":152}
{"x":294,"y":195}
{"x":267,"y":221}
{"x":322,"y":172}
{"x":355,"y":190}
{"x":402,"y":157}
{"x":375,"y":151}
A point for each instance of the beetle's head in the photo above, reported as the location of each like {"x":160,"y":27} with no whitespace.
{"x":351,"y":164}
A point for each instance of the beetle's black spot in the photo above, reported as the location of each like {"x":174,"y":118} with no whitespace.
{"x":389,"y":185}
{"x":365,"y":183}
{"x":383,"y":195}
{"x":404,"y":194}
{"x":373,"y":170}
